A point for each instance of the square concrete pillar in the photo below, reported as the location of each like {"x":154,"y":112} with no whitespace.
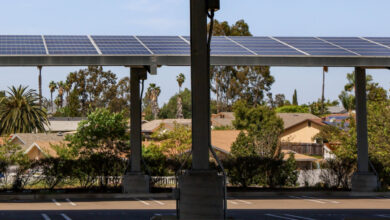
{"x":201,"y":195}
{"x":364,"y":182}
{"x":136,"y":183}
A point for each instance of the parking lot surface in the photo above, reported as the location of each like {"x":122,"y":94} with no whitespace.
{"x":286,"y":207}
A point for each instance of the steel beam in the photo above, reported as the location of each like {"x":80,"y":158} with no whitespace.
{"x":135,"y":118}
{"x":184,"y":60}
{"x":363,"y":180}
{"x":200,"y":86}
{"x":361,"y":119}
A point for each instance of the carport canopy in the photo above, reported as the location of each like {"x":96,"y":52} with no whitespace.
{"x":154,"y":51}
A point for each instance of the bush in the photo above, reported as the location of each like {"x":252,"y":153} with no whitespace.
{"x":261,"y":171}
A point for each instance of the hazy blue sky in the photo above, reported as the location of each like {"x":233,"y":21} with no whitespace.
{"x":171,"y":17}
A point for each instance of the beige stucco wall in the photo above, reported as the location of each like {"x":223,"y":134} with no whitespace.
{"x":301,"y":133}
{"x":35,"y":154}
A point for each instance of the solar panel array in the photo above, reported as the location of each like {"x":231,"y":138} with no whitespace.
{"x":178,"y":45}
{"x":18,"y":45}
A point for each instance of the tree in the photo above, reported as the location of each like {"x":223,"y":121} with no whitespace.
{"x":96,"y":88}
{"x":231,"y":83}
{"x":20,"y":112}
{"x":61,"y":86}
{"x":40,"y":85}
{"x":169,"y":110}
{"x":263,"y":126}
{"x":52,"y":87}
{"x":295,"y":98}
{"x":324,"y":70}
{"x":292,"y":109}
{"x":180,"y":80}
{"x":280,"y":100}
{"x":374,"y":92}
{"x":151,"y":102}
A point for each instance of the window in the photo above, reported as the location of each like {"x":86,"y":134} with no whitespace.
{"x":309,"y":123}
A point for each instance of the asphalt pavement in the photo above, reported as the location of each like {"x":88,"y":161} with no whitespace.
{"x":284,"y":207}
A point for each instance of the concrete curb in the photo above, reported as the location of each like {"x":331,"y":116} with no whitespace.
{"x":84,"y":196}
{"x":8,"y":197}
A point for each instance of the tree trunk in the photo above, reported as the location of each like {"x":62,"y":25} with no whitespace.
{"x":40,"y":86}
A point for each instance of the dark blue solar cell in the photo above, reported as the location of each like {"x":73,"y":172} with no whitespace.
{"x":21,"y":45}
{"x":166,"y":44}
{"x":266,"y":46}
{"x":314,"y":46}
{"x":382,"y":40}
{"x":57,"y":44}
{"x":360,"y":46}
{"x":221,"y":45}
{"x":120,"y":45}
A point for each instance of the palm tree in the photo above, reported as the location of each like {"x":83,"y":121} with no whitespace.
{"x":20,"y":112}
{"x":153,"y":92}
{"x":324,"y":70}
{"x":180,"y":80}
{"x":52,"y":87}
{"x":67,"y":88}
{"x":61,"y":86}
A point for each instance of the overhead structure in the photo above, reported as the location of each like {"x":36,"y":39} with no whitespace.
{"x":82,"y":50}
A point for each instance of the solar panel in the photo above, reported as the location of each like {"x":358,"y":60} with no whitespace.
{"x":166,"y":44}
{"x":77,"y":45}
{"x":360,"y":46}
{"x":265,"y":46}
{"x":21,"y":45}
{"x":220,"y":45}
{"x":382,"y":40}
{"x":123,"y":45}
{"x":315,"y":46}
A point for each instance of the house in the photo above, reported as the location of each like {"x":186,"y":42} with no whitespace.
{"x":222,"y":119}
{"x":222,"y":140}
{"x":300,"y":127}
{"x":63,"y":124}
{"x":167,"y":124}
{"x":38,"y":145}
{"x":336,"y":110}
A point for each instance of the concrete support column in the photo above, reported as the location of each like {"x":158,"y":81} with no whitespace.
{"x":135,"y":181}
{"x":200,"y":189}
{"x":363,"y":179}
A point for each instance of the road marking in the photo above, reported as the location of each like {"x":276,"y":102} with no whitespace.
{"x":55,"y":201}
{"x":300,"y":217}
{"x":281,"y":217}
{"x":246,"y":202}
{"x":233,"y":202}
{"x":383,"y":216}
{"x":65,"y":216}
{"x":325,"y":200}
{"x":70,"y":202}
{"x":311,"y":200}
{"x":158,"y":202}
{"x":146,"y":203}
{"x":46,"y":217}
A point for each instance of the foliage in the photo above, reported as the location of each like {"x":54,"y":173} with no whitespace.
{"x":91,"y":88}
{"x":293,"y":109}
{"x":155,"y":160}
{"x":169,"y":110}
{"x":255,"y":155}
{"x":315,"y":108}
{"x":20,"y":112}
{"x":295,"y":98}
{"x":374,"y":92}
{"x":231,"y":83}
{"x":177,"y":142}
{"x":263,"y":126}
{"x":102,"y":132}
{"x":150,"y":102}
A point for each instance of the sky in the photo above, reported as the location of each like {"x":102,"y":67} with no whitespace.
{"x":171,"y":17}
